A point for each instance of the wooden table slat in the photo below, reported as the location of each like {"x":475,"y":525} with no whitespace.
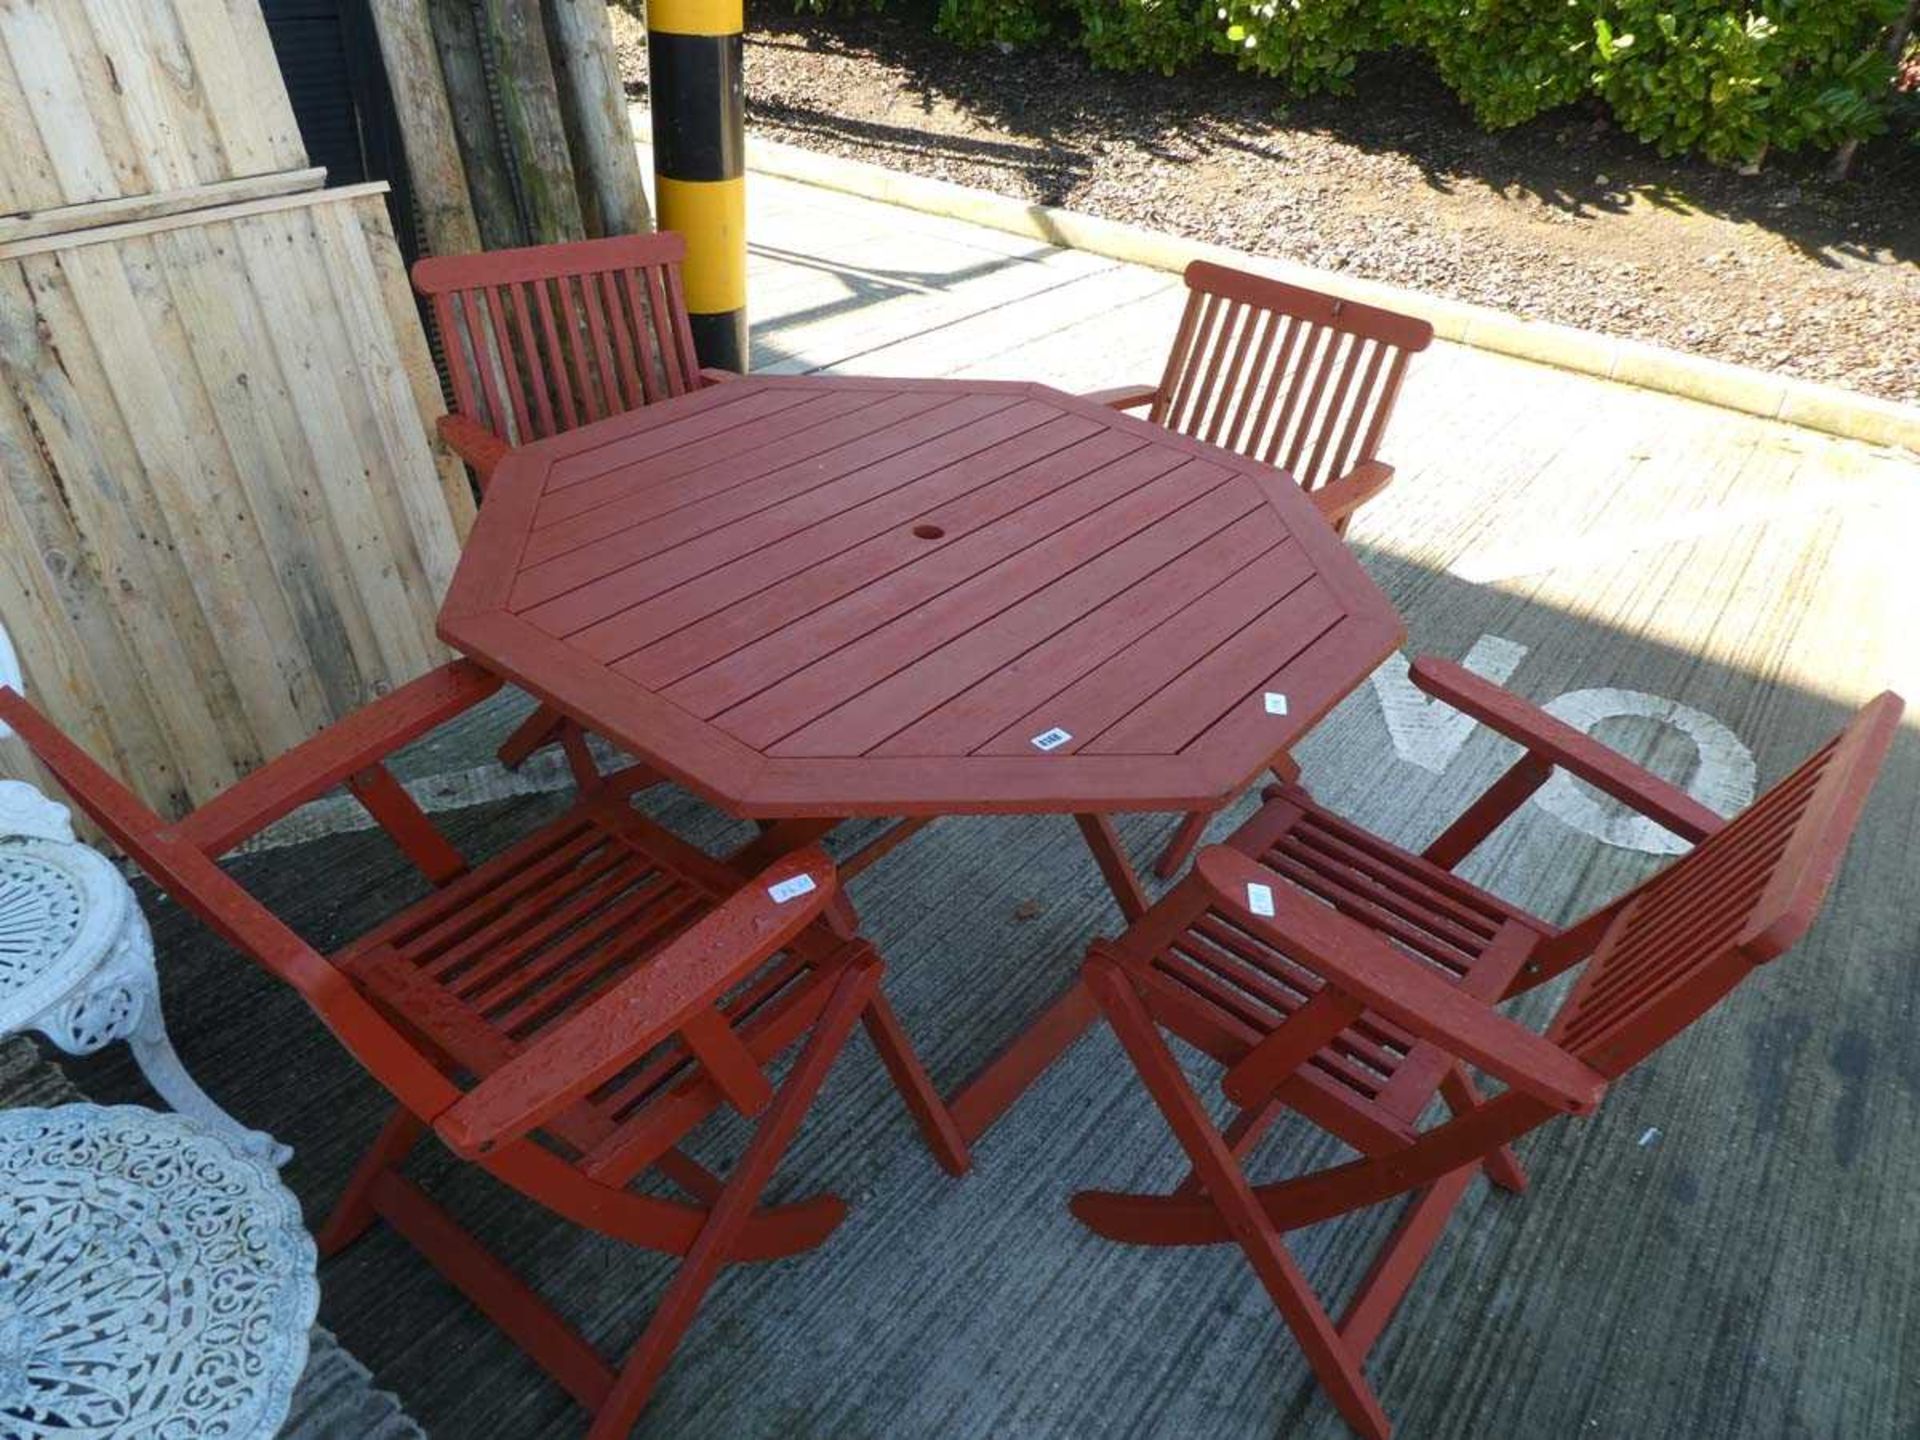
{"x":776,"y":710}
{"x":1154,"y":661}
{"x":974,"y":715}
{"x":791,"y":508}
{"x":923,"y":573}
{"x":863,"y":721}
{"x":701,"y":619}
{"x":1037,"y":497}
{"x":1234,"y":673}
{"x":608,"y":476}
{"x":563,"y":597}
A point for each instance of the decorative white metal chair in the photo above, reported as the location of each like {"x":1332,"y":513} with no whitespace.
{"x":76,"y":958}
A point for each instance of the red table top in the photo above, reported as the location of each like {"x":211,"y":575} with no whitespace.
{"x":812,"y":596}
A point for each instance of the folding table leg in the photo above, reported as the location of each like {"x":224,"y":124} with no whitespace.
{"x":539,"y":729}
{"x":645,"y":1363}
{"x":937,"y":1125}
{"x":1336,"y":1365}
{"x":1005,"y":1078}
{"x":1180,"y":844}
{"x":1115,"y":868}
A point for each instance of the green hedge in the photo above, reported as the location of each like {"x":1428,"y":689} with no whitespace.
{"x":1731,"y":82}
{"x":1728,"y":79}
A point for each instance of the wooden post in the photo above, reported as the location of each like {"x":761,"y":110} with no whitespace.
{"x":530,"y":107}
{"x":426,"y":126}
{"x":593,"y":103}
{"x":470,"y":100}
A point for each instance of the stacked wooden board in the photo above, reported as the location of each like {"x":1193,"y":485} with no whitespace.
{"x":222,"y":521}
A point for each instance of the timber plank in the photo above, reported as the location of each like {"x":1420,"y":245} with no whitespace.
{"x":562,"y":608}
{"x":1227,"y":675}
{"x":974,"y":714}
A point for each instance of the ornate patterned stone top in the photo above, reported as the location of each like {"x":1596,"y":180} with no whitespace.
{"x":154,"y":1281}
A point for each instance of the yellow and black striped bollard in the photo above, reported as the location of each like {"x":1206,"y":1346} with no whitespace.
{"x":699,"y":162}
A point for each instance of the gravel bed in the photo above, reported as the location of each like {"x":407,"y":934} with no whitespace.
{"x":1563,"y":219}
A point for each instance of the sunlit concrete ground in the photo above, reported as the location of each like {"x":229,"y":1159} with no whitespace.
{"x":1728,"y":1249}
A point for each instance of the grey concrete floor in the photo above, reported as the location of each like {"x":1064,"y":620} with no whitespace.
{"x":1730,"y":1248}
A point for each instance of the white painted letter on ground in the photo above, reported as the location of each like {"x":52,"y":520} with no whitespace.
{"x":1428,"y":732}
{"x":1723,"y":778}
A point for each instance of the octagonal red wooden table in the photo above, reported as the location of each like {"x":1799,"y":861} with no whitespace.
{"x":809,"y":598}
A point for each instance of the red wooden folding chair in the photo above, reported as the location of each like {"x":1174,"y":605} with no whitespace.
{"x":562,"y":1015}
{"x":545,"y":338}
{"x":1286,"y":376}
{"x":1289,"y":377}
{"x":1351,"y":980}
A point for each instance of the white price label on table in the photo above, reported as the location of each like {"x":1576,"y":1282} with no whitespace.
{"x":793,"y":889}
{"x":1260,"y":900}
{"x":1276,"y":703}
{"x":1051,"y":739}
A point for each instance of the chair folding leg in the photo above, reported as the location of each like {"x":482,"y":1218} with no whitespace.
{"x":1337,"y":1366}
{"x":1240,"y":1136}
{"x":1405,"y":1251}
{"x":852,"y":994}
{"x":354,"y":1211}
{"x":1462,"y":1095}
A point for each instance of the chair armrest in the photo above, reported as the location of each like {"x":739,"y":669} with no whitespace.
{"x":338,"y":752}
{"x":666,"y":993}
{"x":1338,"y":499}
{"x":1572,"y":750}
{"x":1124,"y":397}
{"x":714,"y":375}
{"x":473,"y":443}
{"x":1357,"y":962}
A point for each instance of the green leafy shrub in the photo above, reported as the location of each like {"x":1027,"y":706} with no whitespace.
{"x":1507,"y":60}
{"x":1308,"y":45}
{"x":1163,"y":35}
{"x":1729,"y":79}
{"x":995,"y":22}
{"x":1732,"y":81}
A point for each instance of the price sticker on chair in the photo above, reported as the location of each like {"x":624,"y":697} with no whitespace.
{"x":1276,"y":703}
{"x":791,"y":889}
{"x":1051,"y":739}
{"x":1260,"y":900}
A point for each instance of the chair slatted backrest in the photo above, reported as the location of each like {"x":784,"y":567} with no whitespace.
{"x":1284,"y":375}
{"x":549,"y":337}
{"x":1740,"y":898}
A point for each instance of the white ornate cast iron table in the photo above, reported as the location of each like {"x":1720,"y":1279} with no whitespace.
{"x":155,"y":1282}
{"x":76,"y":957}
